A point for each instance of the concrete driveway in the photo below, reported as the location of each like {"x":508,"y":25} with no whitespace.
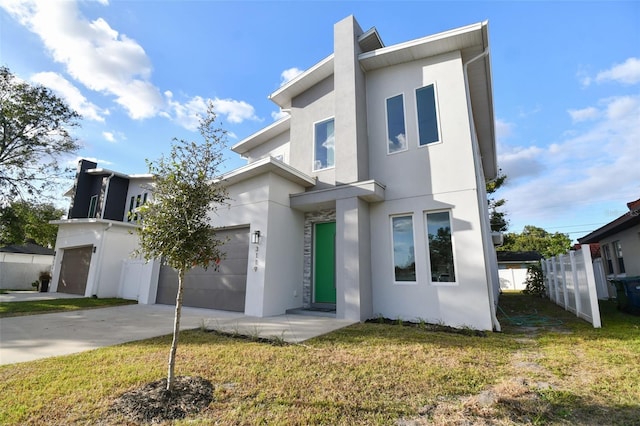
{"x":32,"y":337}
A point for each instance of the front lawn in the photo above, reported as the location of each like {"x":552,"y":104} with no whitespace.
{"x":567,"y":373}
{"x":12,"y":309}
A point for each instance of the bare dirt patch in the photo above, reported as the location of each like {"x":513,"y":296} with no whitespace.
{"x":152,"y":403}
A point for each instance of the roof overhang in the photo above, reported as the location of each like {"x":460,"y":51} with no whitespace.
{"x":314,"y":75}
{"x":262,"y":136}
{"x":107,"y":172}
{"x":268,"y":165}
{"x":369,"y":191}
{"x":624,"y":222}
{"x":91,"y":221}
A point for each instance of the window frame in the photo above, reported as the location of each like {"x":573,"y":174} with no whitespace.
{"x":454,"y":262}
{"x":404,"y":123}
{"x":93,"y":205}
{"x":437,"y":114}
{"x":608,"y":259}
{"x":619,"y":255}
{"x":313,"y":162}
{"x":392,"y":246}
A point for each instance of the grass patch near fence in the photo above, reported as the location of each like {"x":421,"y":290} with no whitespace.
{"x":364,"y":374}
{"x":32,"y":307}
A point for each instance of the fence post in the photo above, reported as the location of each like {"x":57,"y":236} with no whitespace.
{"x":555,"y":278}
{"x":576,"y":284}
{"x":591,"y":290}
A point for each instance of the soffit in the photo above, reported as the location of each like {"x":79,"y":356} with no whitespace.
{"x":266,"y":165}
{"x":314,"y":75}
{"x":370,"y":40}
{"x":262,"y":136}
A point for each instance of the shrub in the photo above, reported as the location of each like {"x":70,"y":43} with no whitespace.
{"x":534,"y":281}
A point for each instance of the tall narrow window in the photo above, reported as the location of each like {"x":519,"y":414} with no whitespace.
{"x":617,"y":248}
{"x":324,"y":145}
{"x":440,"y":247}
{"x":607,"y":258}
{"x":404,"y":260}
{"x":427,"y":115}
{"x":396,"y":134}
{"x":93,"y":204}
{"x":131,"y":206}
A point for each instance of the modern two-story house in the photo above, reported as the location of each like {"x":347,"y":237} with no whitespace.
{"x":97,"y":235}
{"x":368,"y":198}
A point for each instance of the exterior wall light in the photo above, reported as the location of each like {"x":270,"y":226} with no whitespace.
{"x":255,"y":237}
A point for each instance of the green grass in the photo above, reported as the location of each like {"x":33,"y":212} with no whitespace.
{"x":364,"y":374}
{"x":10,"y":309}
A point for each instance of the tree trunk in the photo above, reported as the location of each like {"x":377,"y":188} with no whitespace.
{"x":176,"y":331}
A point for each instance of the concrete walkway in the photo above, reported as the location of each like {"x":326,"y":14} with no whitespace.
{"x":32,"y":337}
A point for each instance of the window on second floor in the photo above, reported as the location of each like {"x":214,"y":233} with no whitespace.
{"x":324,"y":145}
{"x":135,"y":202}
{"x":428,"y":129}
{"x":617,"y":249}
{"x":396,"y":133}
{"x":93,"y":205}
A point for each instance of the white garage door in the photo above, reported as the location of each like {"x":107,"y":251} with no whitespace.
{"x":224,"y":289}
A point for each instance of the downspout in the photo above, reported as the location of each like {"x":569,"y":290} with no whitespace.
{"x":106,"y":195}
{"x":481,"y":202}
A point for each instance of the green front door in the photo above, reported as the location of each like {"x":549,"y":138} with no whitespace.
{"x":325,"y":264}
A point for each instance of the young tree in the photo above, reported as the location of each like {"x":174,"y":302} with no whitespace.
{"x":34,"y":133}
{"x":175,"y":224}
{"x":498,"y":220}
{"x":537,"y":239}
{"x":21,"y":221}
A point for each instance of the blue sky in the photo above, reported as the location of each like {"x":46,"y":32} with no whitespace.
{"x":566,"y":79}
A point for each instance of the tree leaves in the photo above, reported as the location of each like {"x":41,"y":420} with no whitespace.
{"x":175,"y":223}
{"x":34,"y":134}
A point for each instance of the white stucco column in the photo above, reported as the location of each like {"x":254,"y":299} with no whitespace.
{"x":353,"y":260}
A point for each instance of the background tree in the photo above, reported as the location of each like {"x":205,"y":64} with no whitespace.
{"x":22,"y":221}
{"x":498,"y":220}
{"x":175,"y":224}
{"x":537,"y":239}
{"x":34,"y":134}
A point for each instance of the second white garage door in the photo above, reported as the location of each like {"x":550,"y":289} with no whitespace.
{"x":224,"y":289}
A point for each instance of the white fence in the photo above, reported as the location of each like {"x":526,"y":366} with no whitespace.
{"x":571,"y":284}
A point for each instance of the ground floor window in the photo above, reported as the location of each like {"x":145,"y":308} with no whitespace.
{"x":607,"y":258}
{"x":617,"y":249}
{"x":440,"y":247}
{"x":404,"y":260}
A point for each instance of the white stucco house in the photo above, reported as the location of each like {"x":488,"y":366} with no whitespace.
{"x":368,"y":198}
{"x":97,"y":238}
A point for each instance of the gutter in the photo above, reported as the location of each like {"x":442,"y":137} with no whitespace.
{"x":486,"y":234}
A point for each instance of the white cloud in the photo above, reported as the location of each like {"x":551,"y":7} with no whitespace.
{"x":289,"y":74}
{"x":519,"y":162}
{"x":578,"y":115}
{"x":278,"y":115}
{"x":594,"y":164}
{"x":94,"y":54}
{"x":504,"y":129}
{"x":235,"y":111}
{"x":109,"y":136}
{"x":70,"y":94}
{"x":188,"y":114}
{"x":627,"y":72}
